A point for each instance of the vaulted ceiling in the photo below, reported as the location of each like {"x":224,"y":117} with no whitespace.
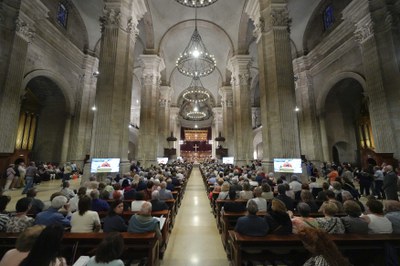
{"x":224,"y":26}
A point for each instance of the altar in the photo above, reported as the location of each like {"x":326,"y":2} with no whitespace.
{"x":196,"y":147}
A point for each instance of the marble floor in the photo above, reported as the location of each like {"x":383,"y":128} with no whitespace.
{"x":195,"y":239}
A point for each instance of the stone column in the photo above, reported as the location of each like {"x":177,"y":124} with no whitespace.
{"x":114,"y":84}
{"x":309,"y":129}
{"x":175,"y":128}
{"x":326,"y":152}
{"x":82,"y":122}
{"x":152,"y":65}
{"x":227,"y":118}
{"x":164,"y":119}
{"x":372,"y":31}
{"x":217,"y":127}
{"x":17,"y":32}
{"x":280,"y":135}
{"x":66,"y":139}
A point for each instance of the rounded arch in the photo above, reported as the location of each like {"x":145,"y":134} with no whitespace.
{"x":189,"y":23}
{"x":66,"y":89}
{"x":321,"y":99}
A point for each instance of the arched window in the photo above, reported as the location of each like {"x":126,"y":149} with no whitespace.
{"x":329,"y":18}
{"x":62,"y":14}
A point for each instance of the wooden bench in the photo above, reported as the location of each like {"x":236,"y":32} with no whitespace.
{"x":137,"y":246}
{"x":165,"y":232}
{"x":359,"y":249}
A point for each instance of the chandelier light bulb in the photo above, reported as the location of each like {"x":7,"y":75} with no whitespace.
{"x":196,"y":53}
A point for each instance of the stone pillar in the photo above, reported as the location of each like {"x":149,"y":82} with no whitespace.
{"x":17,"y":32}
{"x":255,"y":117}
{"x":114,"y":84}
{"x":82,"y":123}
{"x":326,"y":151}
{"x":152,"y":65}
{"x":227,"y":118}
{"x":66,"y":139}
{"x":243,"y":141}
{"x":164,"y":119}
{"x":280,"y":135}
{"x":309,"y":128}
{"x":373,"y":32}
{"x":175,"y":128}
{"x":217,"y":127}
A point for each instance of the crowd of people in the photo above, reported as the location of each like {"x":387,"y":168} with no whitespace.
{"x":78,"y":211}
{"x":288,"y":202}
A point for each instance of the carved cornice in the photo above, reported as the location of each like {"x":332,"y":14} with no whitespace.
{"x":24,"y":30}
{"x":242,"y":80}
{"x":364,"y":30}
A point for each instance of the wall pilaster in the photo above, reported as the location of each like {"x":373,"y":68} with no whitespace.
{"x":280,"y":139}
{"x":240,"y":68}
{"x":164,"y":118}
{"x":152,"y":65}
{"x":227,"y":118}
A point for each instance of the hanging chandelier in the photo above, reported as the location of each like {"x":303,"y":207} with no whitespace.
{"x":196,"y":115}
{"x":196,"y":61}
{"x":196,"y":3}
{"x":196,"y":92}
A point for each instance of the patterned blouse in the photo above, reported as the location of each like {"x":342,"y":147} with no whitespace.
{"x":331,"y":225}
{"x":316,"y":261}
{"x":18,"y":224}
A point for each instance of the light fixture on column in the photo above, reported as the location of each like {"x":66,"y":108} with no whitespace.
{"x":195,"y":60}
{"x":296,"y":109}
{"x":94,"y":108}
{"x":196,"y":3}
{"x":196,"y":92}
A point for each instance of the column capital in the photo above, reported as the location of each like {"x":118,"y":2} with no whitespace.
{"x":151,"y":65}
{"x":274,"y":14}
{"x":240,"y":65}
{"x":123,"y":14}
{"x":24,"y":30}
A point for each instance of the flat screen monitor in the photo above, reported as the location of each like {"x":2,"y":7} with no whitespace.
{"x":228,"y":160}
{"x":162,"y":160}
{"x":105,"y":165}
{"x":287,"y":165}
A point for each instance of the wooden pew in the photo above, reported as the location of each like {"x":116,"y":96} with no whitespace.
{"x":137,"y":246}
{"x":219,"y":204}
{"x":165,"y":232}
{"x":359,"y":249}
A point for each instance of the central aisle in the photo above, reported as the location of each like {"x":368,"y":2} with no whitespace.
{"x":195,"y":239}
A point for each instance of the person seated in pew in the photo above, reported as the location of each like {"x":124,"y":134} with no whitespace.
{"x":109,"y":251}
{"x":98,"y":205}
{"x":331,"y":198}
{"x":4,"y":216}
{"x":392,"y":210}
{"x":130,"y":194}
{"x":353,"y":223}
{"x":267,"y":192}
{"x":307,"y":197}
{"x":164,"y":193}
{"x":232,"y":205}
{"x":73,"y":203}
{"x":278,"y":219}
{"x":261,"y":202}
{"x":329,"y":223}
{"x":251,"y":224}
{"x":289,"y":202}
{"x":224,"y":194}
{"x":377,"y":222}
{"x":138,"y":202}
{"x":304,"y":220}
{"x":52,"y":214}
{"x":20,"y":221}
{"x":143,"y":222}
{"x":235,"y":184}
{"x":246,"y":193}
{"x":114,"y":222}
{"x":170,"y":186}
{"x":323,"y":250}
{"x":24,"y":243}
{"x":37,"y":204}
{"x":85,"y":220}
{"x":47,"y":248}
{"x":157,"y":204}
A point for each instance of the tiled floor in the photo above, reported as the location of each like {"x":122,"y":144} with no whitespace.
{"x":195,"y":239}
{"x":44,"y":191}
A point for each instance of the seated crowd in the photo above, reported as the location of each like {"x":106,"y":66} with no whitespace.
{"x":339,"y":206}
{"x":79,"y":212}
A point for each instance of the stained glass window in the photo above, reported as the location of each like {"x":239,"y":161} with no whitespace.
{"x":329,"y":19}
{"x":62,"y":14}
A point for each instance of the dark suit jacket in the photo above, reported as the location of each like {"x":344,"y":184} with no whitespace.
{"x":252,"y":225}
{"x":289,"y":202}
{"x":390,"y":186}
